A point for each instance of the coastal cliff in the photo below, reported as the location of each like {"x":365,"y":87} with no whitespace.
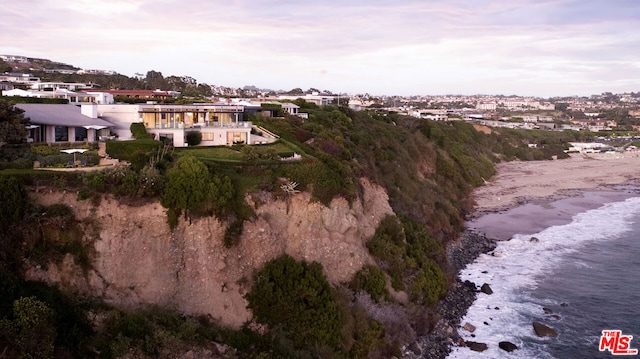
{"x":138,"y":260}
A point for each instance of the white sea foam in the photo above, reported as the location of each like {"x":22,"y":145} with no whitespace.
{"x":513,"y":270}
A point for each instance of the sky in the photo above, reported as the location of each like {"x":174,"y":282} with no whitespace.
{"x":397,"y":47}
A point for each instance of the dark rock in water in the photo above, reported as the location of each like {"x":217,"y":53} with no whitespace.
{"x":415,"y":349}
{"x":547,"y":310}
{"x":543,"y":330}
{"x":485,"y":323}
{"x":484,"y":272}
{"x":507,"y":346}
{"x":564,"y":304}
{"x":534,"y":240}
{"x":486,"y":289}
{"x":469,"y":327}
{"x":477,"y":347}
{"x":497,"y":308}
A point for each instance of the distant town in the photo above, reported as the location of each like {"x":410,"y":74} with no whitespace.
{"x":29,"y":77}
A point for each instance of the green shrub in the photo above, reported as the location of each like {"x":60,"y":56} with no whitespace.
{"x":295,"y":300}
{"x":139,"y":131}
{"x":172,"y":218}
{"x":36,"y":331}
{"x":372,"y":280}
{"x":194,"y":138}
{"x":189,"y":186}
{"x":429,"y":284}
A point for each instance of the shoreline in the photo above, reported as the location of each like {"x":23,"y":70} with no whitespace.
{"x":526,"y":206}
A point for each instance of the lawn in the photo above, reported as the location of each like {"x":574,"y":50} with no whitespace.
{"x":233,"y":154}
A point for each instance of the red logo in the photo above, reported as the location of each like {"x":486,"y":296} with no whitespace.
{"x":616,"y":343}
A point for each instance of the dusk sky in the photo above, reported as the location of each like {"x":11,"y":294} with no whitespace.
{"x":402,"y":47}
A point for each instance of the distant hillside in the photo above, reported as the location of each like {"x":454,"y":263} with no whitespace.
{"x":49,"y":70}
{"x":26,"y":64}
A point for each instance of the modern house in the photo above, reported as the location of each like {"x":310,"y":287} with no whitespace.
{"x":219,"y":123}
{"x":71,"y":86}
{"x":19,"y":78}
{"x":53,"y":123}
{"x":71,"y":96}
{"x":150,"y":95}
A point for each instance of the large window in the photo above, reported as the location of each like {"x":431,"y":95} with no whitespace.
{"x":81,"y":134}
{"x":62,"y":134}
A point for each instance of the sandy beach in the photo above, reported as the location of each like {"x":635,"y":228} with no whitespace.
{"x":526,"y":197}
{"x":519,"y":182}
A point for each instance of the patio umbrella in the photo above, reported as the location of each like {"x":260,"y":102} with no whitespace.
{"x":74,"y":151}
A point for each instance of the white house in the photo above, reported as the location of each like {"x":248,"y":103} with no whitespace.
{"x":219,"y":124}
{"x":71,"y":86}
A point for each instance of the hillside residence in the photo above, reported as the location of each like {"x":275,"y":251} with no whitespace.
{"x":144,"y":94}
{"x":71,"y":86}
{"x":71,"y":96}
{"x":492,"y":123}
{"x":53,"y":123}
{"x":487,"y":106}
{"x":219,"y":124}
{"x":537,"y":118}
{"x":18,"y":78}
{"x":318,"y":99}
{"x":587,"y":147}
{"x":430,"y":114}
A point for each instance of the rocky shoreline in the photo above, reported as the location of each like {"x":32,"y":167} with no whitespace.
{"x":454,"y":306}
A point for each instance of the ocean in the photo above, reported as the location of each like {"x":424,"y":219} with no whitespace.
{"x":579,"y":276}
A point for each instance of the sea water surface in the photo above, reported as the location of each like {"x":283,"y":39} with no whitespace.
{"x":585,"y":272}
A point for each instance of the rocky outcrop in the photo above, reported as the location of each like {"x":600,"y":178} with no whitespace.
{"x":507,"y":346}
{"x":543,"y":330}
{"x":476,"y":346}
{"x":486,"y":289}
{"x":138,"y":260}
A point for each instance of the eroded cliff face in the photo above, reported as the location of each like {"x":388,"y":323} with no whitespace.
{"x":138,"y":260}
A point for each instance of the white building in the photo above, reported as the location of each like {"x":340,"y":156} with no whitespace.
{"x":219,"y":124}
{"x":487,"y":106}
{"x":52,"y":86}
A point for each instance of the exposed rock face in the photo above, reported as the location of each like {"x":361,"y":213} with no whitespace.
{"x":543,"y":330}
{"x":139,"y":261}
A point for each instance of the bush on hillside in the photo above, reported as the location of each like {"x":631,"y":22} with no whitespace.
{"x":372,"y":280}
{"x":295,"y":300}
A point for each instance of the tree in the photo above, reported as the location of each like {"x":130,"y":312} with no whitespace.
{"x":35,"y":327}
{"x":154,"y":80}
{"x":12,"y":124}
{"x":294,"y":299}
{"x":190,"y":187}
